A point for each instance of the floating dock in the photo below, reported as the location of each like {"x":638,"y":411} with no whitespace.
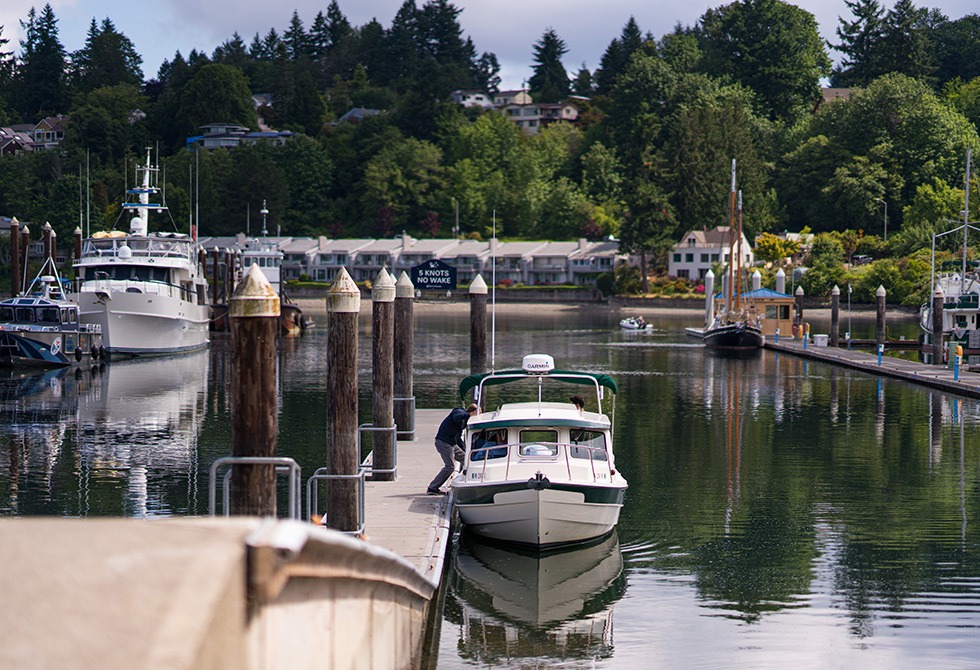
{"x":942,"y":377}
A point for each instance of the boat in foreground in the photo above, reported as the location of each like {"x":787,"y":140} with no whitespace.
{"x":539,"y":473}
{"x":635,"y":323}
{"x":147,"y":290}
{"x":41,"y":328}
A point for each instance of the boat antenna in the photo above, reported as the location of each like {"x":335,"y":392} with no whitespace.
{"x":738,"y":257}
{"x":731,"y":243}
{"x":966,"y":215}
{"x":88,"y":197}
{"x":197,"y":185}
{"x":493,"y":295}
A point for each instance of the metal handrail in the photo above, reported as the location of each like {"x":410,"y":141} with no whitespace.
{"x":282,"y":463}
{"x":312,"y":495}
{"x":371,"y":428}
{"x":407,"y":434}
{"x":559,"y":445}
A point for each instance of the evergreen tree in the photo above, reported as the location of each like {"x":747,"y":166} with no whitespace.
{"x":6,"y":77}
{"x":40,"y":79}
{"x":861,"y":44}
{"x":617,"y":56}
{"x":108,"y":58}
{"x":339,"y":27}
{"x":319,"y":36}
{"x":957,"y":48}
{"x":402,"y":44}
{"x":550,"y":82}
{"x":906,"y":45}
{"x":583,"y":83}
{"x":487,"y":73}
{"x":232,"y":52}
{"x":295,"y":38}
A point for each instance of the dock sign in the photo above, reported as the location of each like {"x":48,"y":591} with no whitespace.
{"x":434,"y":275}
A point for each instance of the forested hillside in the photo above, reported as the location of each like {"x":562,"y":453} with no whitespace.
{"x":661,"y":119}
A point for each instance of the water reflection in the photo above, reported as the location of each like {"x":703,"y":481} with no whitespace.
{"x":116,"y":439}
{"x":517,"y":604}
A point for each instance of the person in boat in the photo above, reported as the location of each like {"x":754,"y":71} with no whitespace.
{"x":449,"y":444}
{"x":485,"y":445}
{"x":641,"y":322}
{"x":579,"y":402}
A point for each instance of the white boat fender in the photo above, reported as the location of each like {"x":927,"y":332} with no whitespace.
{"x":539,"y":482}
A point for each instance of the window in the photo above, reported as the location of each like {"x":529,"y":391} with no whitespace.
{"x":682,"y":274}
{"x":590,"y":440}
{"x":704,"y":258}
{"x":691,"y":241}
{"x":677,"y":258}
{"x":688,"y":258}
{"x":539,"y":442}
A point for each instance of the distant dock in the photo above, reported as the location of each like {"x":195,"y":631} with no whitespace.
{"x":935,"y":376}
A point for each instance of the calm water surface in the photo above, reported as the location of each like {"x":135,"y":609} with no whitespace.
{"x":779,"y":514}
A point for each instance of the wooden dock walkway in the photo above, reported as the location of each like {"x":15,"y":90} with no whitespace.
{"x":935,"y":376}
{"x":399,"y":515}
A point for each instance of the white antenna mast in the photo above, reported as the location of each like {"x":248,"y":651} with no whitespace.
{"x":493,"y":295}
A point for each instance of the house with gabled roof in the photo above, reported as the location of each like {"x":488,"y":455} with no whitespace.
{"x":698,"y":250}
{"x":15,"y":142}
{"x":49,"y":132}
{"x":415,"y":252}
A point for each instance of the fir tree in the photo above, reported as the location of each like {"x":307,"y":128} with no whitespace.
{"x":861,"y":44}
{"x":40,"y":78}
{"x":550,"y":82}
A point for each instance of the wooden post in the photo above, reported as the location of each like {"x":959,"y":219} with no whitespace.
{"x":799,"y":305}
{"x":835,"y":316}
{"x":937,"y":326}
{"x":478,"y":326}
{"x":254,"y":312}
{"x":214,"y":276}
{"x":54,"y":246}
{"x":383,"y":373}
{"x":46,"y":239}
{"x":14,"y":257}
{"x":25,"y":255}
{"x":343,"y":305}
{"x":880,"y":316}
{"x":229,"y":269}
{"x":404,"y":351}
{"x":76,"y":249}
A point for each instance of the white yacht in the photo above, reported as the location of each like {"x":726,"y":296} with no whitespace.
{"x":147,"y":290}
{"x":542,"y":472}
{"x":268,"y":256}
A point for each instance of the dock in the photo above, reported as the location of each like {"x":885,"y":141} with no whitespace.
{"x":399,"y":515}
{"x":939,"y":377}
{"x":233,"y":593}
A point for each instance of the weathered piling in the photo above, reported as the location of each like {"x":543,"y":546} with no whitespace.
{"x":880,"y":316}
{"x":46,"y":240}
{"x":835,"y":316}
{"x":343,"y":305}
{"x":709,"y":297}
{"x":383,"y":373}
{"x":25,"y":255}
{"x":14,"y":257}
{"x":404,"y":356}
{"x":478,"y":326}
{"x":53,"y":250}
{"x":229,"y":265}
{"x":254,"y":313}
{"x":937,"y":326}
{"x":799,"y":305}
{"x":77,"y":243}
{"x":214,"y":276}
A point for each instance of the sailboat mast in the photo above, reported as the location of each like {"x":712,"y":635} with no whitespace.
{"x":738,"y":257}
{"x":731,"y":243}
{"x":966,"y":215}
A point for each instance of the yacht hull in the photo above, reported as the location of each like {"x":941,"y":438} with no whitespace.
{"x":560,"y":514}
{"x":145,"y":323}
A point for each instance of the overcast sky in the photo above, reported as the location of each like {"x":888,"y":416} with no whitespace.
{"x":508,"y":28}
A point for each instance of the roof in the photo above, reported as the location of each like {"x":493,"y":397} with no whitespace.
{"x":706,"y":238}
{"x":509,"y":376}
{"x":760,"y":294}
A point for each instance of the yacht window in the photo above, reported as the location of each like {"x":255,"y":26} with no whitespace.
{"x":6,"y":314}
{"x":49,"y":315}
{"x":25,"y":314}
{"x":485,"y":440}
{"x":538,"y":442}
{"x":590,"y":440}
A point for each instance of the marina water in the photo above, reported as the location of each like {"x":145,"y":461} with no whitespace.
{"x":780,"y":513}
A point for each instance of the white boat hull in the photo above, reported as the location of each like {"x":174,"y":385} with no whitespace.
{"x":146,"y":323}
{"x":540,"y":517}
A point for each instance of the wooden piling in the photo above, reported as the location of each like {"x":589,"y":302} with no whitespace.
{"x":343,"y":305}
{"x":478,"y":326}
{"x":404,"y":352}
{"x":937,"y":326}
{"x":254,"y":315}
{"x":14,"y":257}
{"x":799,"y":305}
{"x":383,"y":373}
{"x":835,"y":316}
{"x":880,"y":316}
{"x":77,"y":245}
{"x":46,"y":240}
{"x":214,"y":276}
{"x":25,"y":256}
{"x":229,"y":269}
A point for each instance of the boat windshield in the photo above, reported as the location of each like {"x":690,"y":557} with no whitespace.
{"x":132,"y":273}
{"x":49,"y":315}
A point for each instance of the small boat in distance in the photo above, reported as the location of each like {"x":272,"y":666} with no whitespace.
{"x":635,"y":323}
{"x":41,"y":328}
{"x":736,"y":327}
{"x":539,"y":473}
{"x":147,"y":290}
{"x":268,"y":256}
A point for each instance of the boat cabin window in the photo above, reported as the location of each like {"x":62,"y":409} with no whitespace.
{"x":539,"y":442}
{"x":484,"y":445}
{"x":6,"y":314}
{"x":69,"y":316}
{"x":586,"y":441}
{"x":25,"y":315}
{"x":133,"y":273}
{"x":49,"y":315}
